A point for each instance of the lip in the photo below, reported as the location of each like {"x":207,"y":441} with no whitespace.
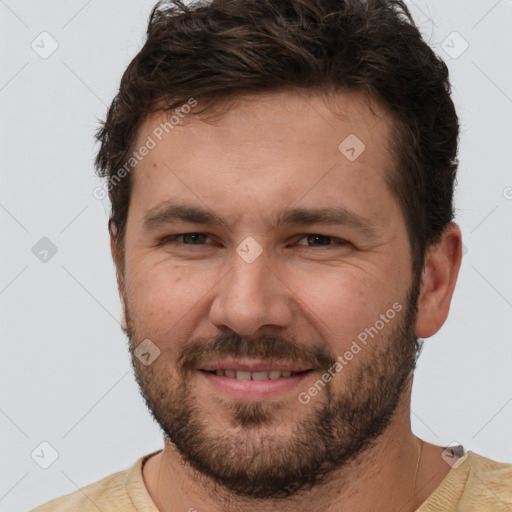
{"x":252,"y":365}
{"x":252,"y":390}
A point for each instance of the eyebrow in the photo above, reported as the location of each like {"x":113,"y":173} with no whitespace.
{"x":169,"y":213}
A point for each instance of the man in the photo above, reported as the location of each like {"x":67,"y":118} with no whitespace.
{"x":281,"y":175}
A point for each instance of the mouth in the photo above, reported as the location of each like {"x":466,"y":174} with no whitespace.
{"x":253,"y":380}
{"x":246,"y":375}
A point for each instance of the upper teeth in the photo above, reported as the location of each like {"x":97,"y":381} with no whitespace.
{"x":242,"y":375}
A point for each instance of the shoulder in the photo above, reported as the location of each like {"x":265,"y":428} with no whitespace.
{"x":488,"y":485}
{"x":123,"y":491}
{"x":475,"y":483}
{"x":490,"y":476}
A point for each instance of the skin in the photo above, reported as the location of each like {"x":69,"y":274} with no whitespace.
{"x":269,"y":152}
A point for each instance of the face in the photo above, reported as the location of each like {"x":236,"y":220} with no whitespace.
{"x":263,"y":243}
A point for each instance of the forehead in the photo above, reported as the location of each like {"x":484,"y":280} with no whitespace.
{"x":268,"y":148}
{"x":299,"y":115}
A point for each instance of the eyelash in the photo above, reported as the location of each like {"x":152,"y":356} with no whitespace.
{"x":339,"y":241}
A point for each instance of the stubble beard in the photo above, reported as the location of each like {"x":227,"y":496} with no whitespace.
{"x":247,"y":457}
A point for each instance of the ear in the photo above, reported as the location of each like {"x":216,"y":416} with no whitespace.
{"x":442,"y":263}
{"x":112,"y":228}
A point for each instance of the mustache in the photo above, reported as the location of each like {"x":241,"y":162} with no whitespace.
{"x":195,"y":353}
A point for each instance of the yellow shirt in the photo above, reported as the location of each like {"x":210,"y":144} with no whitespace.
{"x":474,"y":484}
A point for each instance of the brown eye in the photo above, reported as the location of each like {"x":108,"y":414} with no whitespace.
{"x":186,"y":239}
{"x":318,"y":240}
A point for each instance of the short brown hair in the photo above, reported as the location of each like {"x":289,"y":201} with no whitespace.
{"x":222,"y":49}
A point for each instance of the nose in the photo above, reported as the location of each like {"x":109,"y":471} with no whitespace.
{"x":251,"y":296}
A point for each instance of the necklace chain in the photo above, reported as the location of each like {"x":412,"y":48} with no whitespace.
{"x":417,"y":466}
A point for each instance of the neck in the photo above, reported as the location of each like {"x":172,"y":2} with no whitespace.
{"x":388,"y":476}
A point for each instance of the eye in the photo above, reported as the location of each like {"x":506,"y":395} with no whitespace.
{"x":312,"y":240}
{"x":319,"y":240}
{"x":187,"y":239}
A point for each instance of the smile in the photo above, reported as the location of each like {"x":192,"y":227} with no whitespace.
{"x":252,"y":382}
{"x":245,"y":375}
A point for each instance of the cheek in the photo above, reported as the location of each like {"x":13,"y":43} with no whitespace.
{"x":342,"y":303}
{"x":163,"y":298}
{"x":334,"y":304}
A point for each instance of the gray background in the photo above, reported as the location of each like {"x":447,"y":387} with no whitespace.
{"x":65,"y":372}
